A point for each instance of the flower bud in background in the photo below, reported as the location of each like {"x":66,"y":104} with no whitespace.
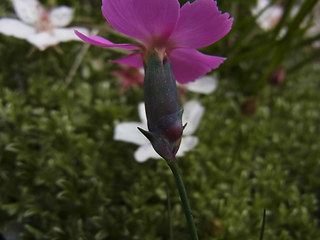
{"x":277,"y":76}
{"x":163,"y":110}
{"x":250,"y":106}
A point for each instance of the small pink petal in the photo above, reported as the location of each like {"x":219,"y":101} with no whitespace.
{"x":201,"y":24}
{"x":101,"y":42}
{"x":142,"y":19}
{"x":132,"y":60}
{"x":189,"y":64}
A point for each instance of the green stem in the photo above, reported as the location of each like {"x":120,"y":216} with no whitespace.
{"x":263,"y":224}
{"x":184,"y":199}
{"x":169,"y":215}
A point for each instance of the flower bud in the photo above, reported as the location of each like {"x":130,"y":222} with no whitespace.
{"x":163,"y":110}
{"x":250,"y":106}
{"x":277,"y":76}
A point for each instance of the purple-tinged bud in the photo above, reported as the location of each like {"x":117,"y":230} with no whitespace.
{"x":163,"y":109}
{"x":277,"y":76}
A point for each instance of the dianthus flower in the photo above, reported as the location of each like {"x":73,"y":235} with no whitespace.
{"x":173,"y":33}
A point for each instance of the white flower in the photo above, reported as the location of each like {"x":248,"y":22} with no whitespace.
{"x":40,"y":27}
{"x":270,"y":15}
{"x":315,"y":28}
{"x":204,"y":85}
{"x":128,"y":132}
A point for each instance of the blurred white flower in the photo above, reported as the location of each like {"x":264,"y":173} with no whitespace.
{"x":39,"y":26}
{"x":317,"y":13}
{"x":128,"y":132}
{"x":313,"y":31}
{"x":204,"y":85}
{"x":315,"y":28}
{"x":267,"y":16}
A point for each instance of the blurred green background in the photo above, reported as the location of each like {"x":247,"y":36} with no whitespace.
{"x":62,"y":176}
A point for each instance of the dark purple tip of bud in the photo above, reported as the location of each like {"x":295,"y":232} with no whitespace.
{"x":161,"y":145}
{"x":277,"y":76}
{"x":163,"y":109}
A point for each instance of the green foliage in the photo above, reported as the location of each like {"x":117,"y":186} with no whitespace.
{"x":62,"y":176}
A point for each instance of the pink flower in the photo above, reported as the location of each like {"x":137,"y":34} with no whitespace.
{"x":129,"y":76}
{"x":172,"y":32}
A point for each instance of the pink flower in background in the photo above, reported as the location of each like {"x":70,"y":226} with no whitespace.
{"x":39,"y":26}
{"x":172,"y":32}
{"x":129,"y":76}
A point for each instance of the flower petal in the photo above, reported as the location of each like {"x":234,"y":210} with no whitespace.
{"x":143,"y":153}
{"x":132,"y":60}
{"x":15,"y":28}
{"x":142,"y":19}
{"x":29,"y":11}
{"x":102,"y":42}
{"x":189,"y":64}
{"x":67,"y":34}
{"x":187,"y":144}
{"x":142,"y":113}
{"x":192,"y":114}
{"x":201,"y":24}
{"x":270,"y":17}
{"x":205,"y":85}
{"x":261,"y":4}
{"x":128,"y":132}
{"x":42,"y":40}
{"x":61,"y":16}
